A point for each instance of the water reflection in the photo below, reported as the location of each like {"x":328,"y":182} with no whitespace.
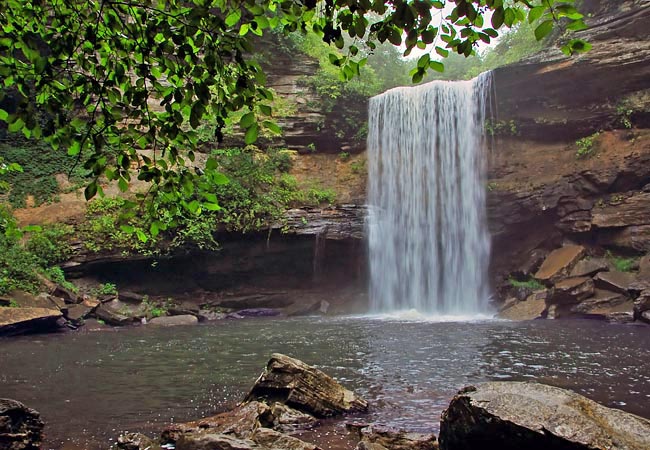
{"x":91,"y":386}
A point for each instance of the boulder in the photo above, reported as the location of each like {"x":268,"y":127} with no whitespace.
{"x":135,"y":441}
{"x":26,"y":320}
{"x":272,"y":440}
{"x":282,"y":418}
{"x":589,"y":267}
{"x":78,"y":312}
{"x":300,"y":386}
{"x":571,"y":290}
{"x":112,"y":317}
{"x":21,"y":428}
{"x":530,"y":309}
{"x":379,"y":438}
{"x":533,"y":416}
{"x":66,"y":294}
{"x":131,"y":297}
{"x":615,"y":281}
{"x":169,"y":321}
{"x":559,"y":263}
{"x":620,"y":317}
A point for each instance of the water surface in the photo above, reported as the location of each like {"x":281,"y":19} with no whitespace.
{"x":90,"y":386}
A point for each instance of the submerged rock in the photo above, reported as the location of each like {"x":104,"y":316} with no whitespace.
{"x":169,"y":321}
{"x":296,"y":384}
{"x":21,"y":428}
{"x":533,"y":416}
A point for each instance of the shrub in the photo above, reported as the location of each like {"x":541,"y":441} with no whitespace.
{"x":586,"y":146}
{"x":105,"y":289}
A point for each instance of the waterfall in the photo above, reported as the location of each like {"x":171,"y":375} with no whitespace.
{"x":429,"y":246}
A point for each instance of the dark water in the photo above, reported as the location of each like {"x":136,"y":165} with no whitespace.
{"x":91,"y":386}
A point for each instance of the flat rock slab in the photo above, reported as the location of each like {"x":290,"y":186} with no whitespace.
{"x":292,"y":382}
{"x":602,"y":300}
{"x":560,"y":262}
{"x":529,"y":309}
{"x":615,"y":281}
{"x":382,"y":438}
{"x":170,"y":321}
{"x":533,"y":416}
{"x":572,"y":290}
{"x":19,"y":320}
{"x":589,"y":267}
{"x":631,"y":211}
{"x":21,"y":428}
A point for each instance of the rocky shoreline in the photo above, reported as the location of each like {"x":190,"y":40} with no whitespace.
{"x":290,"y":398}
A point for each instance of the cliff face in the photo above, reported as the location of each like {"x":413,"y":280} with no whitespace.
{"x":546,"y":186}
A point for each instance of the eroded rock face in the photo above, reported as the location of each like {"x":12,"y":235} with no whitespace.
{"x":21,"y":428}
{"x":533,"y":416}
{"x":294,"y":383}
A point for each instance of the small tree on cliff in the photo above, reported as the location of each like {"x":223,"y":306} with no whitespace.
{"x":82,"y":75}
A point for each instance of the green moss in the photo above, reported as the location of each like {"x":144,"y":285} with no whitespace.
{"x":530,"y":283}
{"x":620,"y":263}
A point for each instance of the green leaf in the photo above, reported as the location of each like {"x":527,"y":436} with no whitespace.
{"x":498,"y":17}
{"x":141,"y":236}
{"x":212,"y":206}
{"x":123,"y":185}
{"x":233,"y":18}
{"x":3,"y":115}
{"x":251,"y":134}
{"x":535,"y":13}
{"x":127,"y":229}
{"x":91,"y":190}
{"x":437,"y":66}
{"x":211,"y":164}
{"x":543,"y":29}
{"x":272,"y":126}
{"x":247,"y":120}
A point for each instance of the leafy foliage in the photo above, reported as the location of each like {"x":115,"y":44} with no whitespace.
{"x":105,"y":289}
{"x":586,"y":145}
{"x":83,"y":75}
{"x":38,"y":167}
{"x":622,"y":264}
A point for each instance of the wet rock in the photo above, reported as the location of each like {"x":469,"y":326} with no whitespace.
{"x":135,"y":311}
{"x":206,"y":314}
{"x":378,"y":438}
{"x":183,"y":309}
{"x":27,"y":320}
{"x":257,"y":312}
{"x":533,"y":416}
{"x":240,"y":421}
{"x":21,"y":428}
{"x":281,"y":417}
{"x":601,"y":301}
{"x":571,"y":290}
{"x":645,"y":317}
{"x":112,"y":317}
{"x":614,"y":281}
{"x":254,"y":301}
{"x":559,"y":263}
{"x":642,"y":304}
{"x":589,"y":267}
{"x":168,"y":321}
{"x":304,"y":308}
{"x":205,"y":441}
{"x":298,"y":385}
{"x":135,"y":441}
{"x":620,"y":317}
{"x":266,"y":438}
{"x":530,"y":309}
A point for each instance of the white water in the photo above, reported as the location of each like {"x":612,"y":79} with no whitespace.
{"x":429,"y":245}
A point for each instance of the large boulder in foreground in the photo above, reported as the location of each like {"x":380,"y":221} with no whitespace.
{"x":21,"y":428}
{"x":533,"y":416}
{"x":292,"y":382}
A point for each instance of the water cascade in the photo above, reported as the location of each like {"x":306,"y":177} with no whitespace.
{"x":429,"y":245}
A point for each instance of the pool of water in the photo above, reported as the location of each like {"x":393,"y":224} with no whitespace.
{"x":91,"y":386}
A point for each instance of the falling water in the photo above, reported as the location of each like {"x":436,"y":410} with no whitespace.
{"x":428,"y":240}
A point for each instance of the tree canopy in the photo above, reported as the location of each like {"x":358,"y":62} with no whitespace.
{"x":83,"y":75}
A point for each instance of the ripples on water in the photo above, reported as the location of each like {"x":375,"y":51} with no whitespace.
{"x":91,"y":386}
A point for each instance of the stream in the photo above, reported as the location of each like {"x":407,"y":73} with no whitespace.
{"x":90,"y":386}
